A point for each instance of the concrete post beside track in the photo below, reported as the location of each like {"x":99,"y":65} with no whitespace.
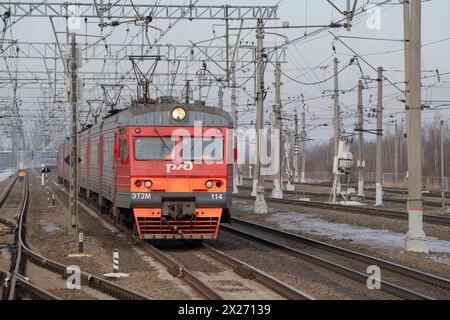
{"x":379,"y":144}
{"x":235,"y":126}
{"x":277,"y":191}
{"x":360,"y":128}
{"x":260,"y":202}
{"x":73,"y":98}
{"x":415,"y":239}
{"x":303,"y":140}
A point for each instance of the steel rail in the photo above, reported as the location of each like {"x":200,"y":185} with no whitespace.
{"x":399,"y":215}
{"x":405,"y":271}
{"x":253,"y":273}
{"x":33,"y":291}
{"x":6,"y":191}
{"x":92,"y":281}
{"x":394,"y":200}
{"x":178,"y":270}
{"x":173,"y":267}
{"x":11,"y":224}
{"x":431,"y":194}
{"x":357,"y":276}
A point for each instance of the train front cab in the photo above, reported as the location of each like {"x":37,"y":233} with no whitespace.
{"x":180,"y":182}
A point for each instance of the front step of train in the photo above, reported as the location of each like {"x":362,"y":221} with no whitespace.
{"x":178,"y":220}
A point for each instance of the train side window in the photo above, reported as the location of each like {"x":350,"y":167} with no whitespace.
{"x":123,"y":149}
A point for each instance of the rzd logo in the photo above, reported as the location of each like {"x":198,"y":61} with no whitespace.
{"x":187,"y":166}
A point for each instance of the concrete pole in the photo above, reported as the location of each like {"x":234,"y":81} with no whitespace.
{"x":277,"y":191}
{"x":287,"y":148}
{"x":260,"y":202}
{"x":220,"y":94}
{"x":235,"y":125}
{"x":415,"y":238}
{"x":442,"y":168}
{"x":396,"y":152}
{"x":336,"y":122}
{"x":379,"y":149}
{"x":73,"y":188}
{"x":360,"y":140}
{"x":303,"y":137}
{"x":168,"y":78}
{"x":296,"y":153}
{"x":199,"y":80}
{"x":407,"y":44}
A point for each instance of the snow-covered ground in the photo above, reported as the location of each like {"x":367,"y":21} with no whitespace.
{"x":351,"y":203}
{"x":6,"y":173}
{"x":380,"y":238}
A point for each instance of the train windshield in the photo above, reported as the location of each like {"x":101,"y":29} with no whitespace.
{"x":160,"y":148}
{"x":206,"y":149}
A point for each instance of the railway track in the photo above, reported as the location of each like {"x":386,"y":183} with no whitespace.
{"x":399,"y":215}
{"x":179,"y":265}
{"x":226,"y":277}
{"x":239,"y":273}
{"x":430,"y":194}
{"x":17,"y":285}
{"x":428,"y":203}
{"x":397,"y":281}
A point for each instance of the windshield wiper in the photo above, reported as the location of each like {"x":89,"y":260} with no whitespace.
{"x":162,"y":140}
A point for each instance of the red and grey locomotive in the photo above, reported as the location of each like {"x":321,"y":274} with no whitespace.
{"x":164,"y":167}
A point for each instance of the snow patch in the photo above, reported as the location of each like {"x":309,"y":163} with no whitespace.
{"x":6,"y":173}
{"x":379,"y":238}
{"x":351,"y":203}
{"x":48,"y":226}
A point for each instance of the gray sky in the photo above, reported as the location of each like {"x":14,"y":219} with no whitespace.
{"x":308,"y":60}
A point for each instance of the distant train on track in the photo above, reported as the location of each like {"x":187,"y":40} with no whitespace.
{"x":165,"y":168}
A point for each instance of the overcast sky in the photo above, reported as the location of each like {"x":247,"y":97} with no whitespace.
{"x":309,"y":60}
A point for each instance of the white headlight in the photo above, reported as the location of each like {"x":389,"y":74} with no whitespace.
{"x":178,"y":114}
{"x":148,"y":184}
{"x":209,"y":184}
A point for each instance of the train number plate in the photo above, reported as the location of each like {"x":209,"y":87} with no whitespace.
{"x":140,"y":196}
{"x":216,"y":196}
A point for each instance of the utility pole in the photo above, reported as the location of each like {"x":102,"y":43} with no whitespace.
{"x":235,"y":125}
{"x":303,"y":137}
{"x":337,"y":135}
{"x":277,"y":191}
{"x":379,"y":151}
{"x":73,"y":190}
{"x":287,"y":150}
{"x":360,"y":127}
{"x":260,"y":202}
{"x":442,"y":168}
{"x":407,"y":45}
{"x":396,"y":151}
{"x":296,"y":148}
{"x":337,"y":130}
{"x":416,"y":238}
{"x":220,"y":97}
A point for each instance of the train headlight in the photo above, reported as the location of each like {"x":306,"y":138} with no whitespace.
{"x":209,"y":184}
{"x":179,"y":114}
{"x":148,"y":184}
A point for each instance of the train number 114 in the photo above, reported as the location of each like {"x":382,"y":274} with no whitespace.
{"x":217,"y":196}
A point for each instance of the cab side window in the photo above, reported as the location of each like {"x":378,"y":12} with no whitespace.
{"x":123,"y":149}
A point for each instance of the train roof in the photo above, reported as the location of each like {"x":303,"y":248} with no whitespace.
{"x":159,"y":115}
